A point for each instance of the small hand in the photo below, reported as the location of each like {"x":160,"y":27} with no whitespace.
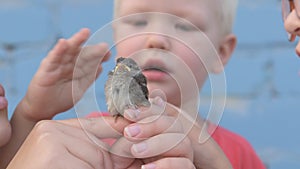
{"x":50,"y":91}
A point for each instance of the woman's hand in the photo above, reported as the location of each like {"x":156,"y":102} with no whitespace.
{"x":165,"y":120}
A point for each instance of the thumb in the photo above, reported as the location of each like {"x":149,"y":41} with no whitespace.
{"x":5,"y":128}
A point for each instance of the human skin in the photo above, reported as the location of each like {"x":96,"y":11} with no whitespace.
{"x":5,"y":128}
{"x":199,"y":14}
{"x":292,"y":25}
{"x":50,"y":90}
{"x":59,"y":140}
{"x":76,"y":143}
{"x":156,"y":37}
{"x":223,"y":44}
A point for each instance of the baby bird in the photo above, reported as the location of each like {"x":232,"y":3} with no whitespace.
{"x":126,"y":87}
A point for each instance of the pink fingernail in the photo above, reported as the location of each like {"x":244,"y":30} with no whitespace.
{"x":133,"y":113}
{"x":3,"y":102}
{"x":133,"y":130}
{"x":149,"y":166}
{"x":140,"y":147}
{"x":159,"y":101}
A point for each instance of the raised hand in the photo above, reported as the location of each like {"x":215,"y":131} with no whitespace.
{"x":68,"y":66}
{"x":50,"y":91}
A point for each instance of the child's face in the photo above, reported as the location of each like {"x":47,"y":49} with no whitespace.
{"x":169,"y":49}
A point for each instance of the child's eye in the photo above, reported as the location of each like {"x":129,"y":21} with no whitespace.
{"x":185,"y":27}
{"x":136,"y":22}
{"x":139,"y":23}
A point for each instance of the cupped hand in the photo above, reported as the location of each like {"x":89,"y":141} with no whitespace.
{"x":76,"y":143}
{"x":162,"y":118}
{"x":68,"y":144}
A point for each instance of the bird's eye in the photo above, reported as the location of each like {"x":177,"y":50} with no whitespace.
{"x":120,"y":59}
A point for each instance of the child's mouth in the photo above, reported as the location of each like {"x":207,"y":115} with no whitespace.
{"x":154,"y":73}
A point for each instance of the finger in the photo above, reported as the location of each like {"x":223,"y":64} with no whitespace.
{"x":162,"y":108}
{"x":78,"y":38}
{"x":152,"y":126}
{"x":2,"y":91}
{"x":173,"y":162}
{"x":87,"y":68}
{"x":121,"y":155}
{"x":122,"y":149}
{"x":158,"y":107}
{"x":93,"y":52}
{"x":71,"y":162}
{"x":100,"y":52}
{"x":72,"y":141}
{"x":56,"y":54}
{"x":89,"y":60}
{"x":74,"y":132}
{"x":48,"y":138}
{"x":90,"y":151}
{"x":55,"y":57}
{"x":3,"y":103}
{"x":168,"y":145}
{"x":5,"y":127}
{"x":75,"y":43}
{"x":101,"y":127}
{"x":298,"y":49}
{"x":71,"y":46}
{"x":104,"y":59}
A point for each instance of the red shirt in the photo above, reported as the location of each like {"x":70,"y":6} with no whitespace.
{"x":237,"y":149}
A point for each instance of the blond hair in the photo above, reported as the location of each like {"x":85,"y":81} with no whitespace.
{"x":228,"y":8}
{"x":227,"y":16}
{"x":116,"y":8}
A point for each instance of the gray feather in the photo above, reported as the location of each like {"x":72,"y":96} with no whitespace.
{"x":126,"y":87}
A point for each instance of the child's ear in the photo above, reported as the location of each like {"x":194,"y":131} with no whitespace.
{"x":225,"y":51}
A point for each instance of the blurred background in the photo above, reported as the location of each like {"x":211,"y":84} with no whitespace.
{"x":263,"y":79}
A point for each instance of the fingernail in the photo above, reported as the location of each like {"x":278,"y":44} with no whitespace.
{"x":140,"y":147}
{"x":133,"y":113}
{"x":159,"y":101}
{"x":149,"y":166}
{"x":289,"y":36}
{"x":133,"y":130}
{"x":3,"y":103}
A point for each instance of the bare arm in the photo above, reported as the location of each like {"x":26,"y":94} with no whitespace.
{"x":50,"y":90}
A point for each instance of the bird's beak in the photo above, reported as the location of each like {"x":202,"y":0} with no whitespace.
{"x":122,"y":67}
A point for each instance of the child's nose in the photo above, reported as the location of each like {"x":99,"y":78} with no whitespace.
{"x":158,"y":41}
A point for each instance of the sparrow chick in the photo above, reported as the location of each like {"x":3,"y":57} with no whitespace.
{"x":126,"y":87}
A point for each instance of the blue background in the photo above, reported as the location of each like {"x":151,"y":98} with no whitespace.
{"x":263,"y":81}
